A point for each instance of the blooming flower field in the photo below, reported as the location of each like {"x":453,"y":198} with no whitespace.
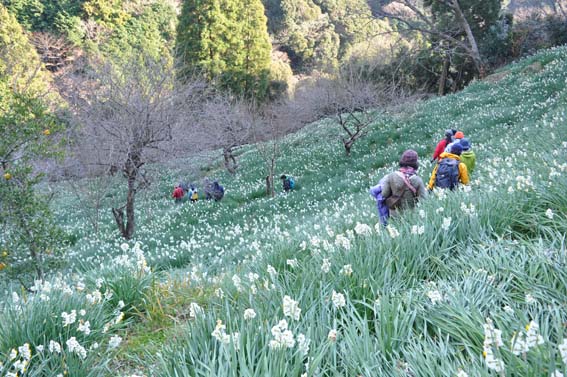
{"x":471,"y":283}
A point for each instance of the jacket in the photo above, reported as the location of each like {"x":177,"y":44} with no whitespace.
{"x":463,"y":173}
{"x":469,"y":158}
{"x":178,"y":193}
{"x":383,"y":210}
{"x":393,"y":184}
{"x":440,"y":148}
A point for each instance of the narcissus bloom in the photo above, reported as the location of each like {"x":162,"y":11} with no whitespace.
{"x":46,"y":132}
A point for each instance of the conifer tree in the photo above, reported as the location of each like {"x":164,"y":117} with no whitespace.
{"x":226,"y":41}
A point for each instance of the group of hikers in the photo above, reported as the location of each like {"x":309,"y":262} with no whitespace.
{"x":189,"y":192}
{"x":455,"y":162}
{"x":184,"y":191}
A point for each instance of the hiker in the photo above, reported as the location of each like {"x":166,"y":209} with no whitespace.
{"x":288,"y":182}
{"x":449,"y":171}
{"x":459,"y":135}
{"x":208,"y":189}
{"x":193,"y":194}
{"x":218,"y":191}
{"x":400,"y":189}
{"x":184,"y":186}
{"x":440,"y":148}
{"x":178,"y":194}
{"x":468,"y":157}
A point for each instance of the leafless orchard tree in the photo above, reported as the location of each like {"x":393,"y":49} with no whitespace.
{"x":127,"y":118}
{"x":351,"y":99}
{"x":408,"y":14}
{"x":355,"y":103}
{"x":224,"y":122}
{"x":268,"y":134}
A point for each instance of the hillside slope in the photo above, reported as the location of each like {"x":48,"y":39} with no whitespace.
{"x":357,"y":299}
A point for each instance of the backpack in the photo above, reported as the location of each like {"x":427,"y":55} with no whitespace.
{"x":394,"y":201}
{"x":291,"y":182}
{"x":447,"y":174}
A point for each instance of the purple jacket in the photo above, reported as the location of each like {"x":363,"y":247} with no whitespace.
{"x":383,"y":210}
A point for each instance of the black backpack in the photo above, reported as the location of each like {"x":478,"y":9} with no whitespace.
{"x":447,"y":174}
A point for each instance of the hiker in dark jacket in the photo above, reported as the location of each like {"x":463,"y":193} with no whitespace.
{"x":402,"y":188}
{"x":217,"y":191}
{"x":288,"y":182}
{"x":208,"y":189}
{"x":449,"y":171}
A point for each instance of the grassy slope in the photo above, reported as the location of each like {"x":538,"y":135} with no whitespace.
{"x":493,"y":259}
{"x":499,"y":247}
{"x":508,"y":249}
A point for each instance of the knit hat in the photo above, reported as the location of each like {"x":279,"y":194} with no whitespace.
{"x":465,"y":144}
{"x":409,"y":158}
{"x":449,"y":133}
{"x":459,"y":135}
{"x":457,"y":149}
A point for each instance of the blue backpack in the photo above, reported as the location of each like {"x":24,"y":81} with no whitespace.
{"x":447,"y":174}
{"x":291,"y":183}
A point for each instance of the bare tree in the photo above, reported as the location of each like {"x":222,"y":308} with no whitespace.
{"x":355,"y":103}
{"x":55,"y":51}
{"x":350,"y":98}
{"x":268,"y":134}
{"x":224,"y":122}
{"x":128,"y":116}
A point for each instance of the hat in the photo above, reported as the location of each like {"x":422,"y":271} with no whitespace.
{"x":456,"y":149}
{"x":409,"y":158}
{"x":459,"y":135}
{"x":449,"y":133}
{"x":465,"y":144}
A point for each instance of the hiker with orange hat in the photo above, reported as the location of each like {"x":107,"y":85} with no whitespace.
{"x":459,"y":135}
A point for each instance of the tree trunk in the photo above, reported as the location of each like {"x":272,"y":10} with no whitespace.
{"x":130,"y":219}
{"x":348,"y":146}
{"x":269,"y":185}
{"x":133,"y":163}
{"x":35,"y":253}
{"x":118,"y":214}
{"x":271,"y":165}
{"x":444,"y":73}
{"x":229,"y":160}
{"x":475,"y":54}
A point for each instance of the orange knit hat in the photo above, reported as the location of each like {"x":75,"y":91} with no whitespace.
{"x":459,"y":135}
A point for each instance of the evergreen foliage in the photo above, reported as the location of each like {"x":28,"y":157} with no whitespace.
{"x":227,"y":42}
{"x":147,"y":32}
{"x":30,"y":239}
{"x":39,"y":15}
{"x":20,"y":66}
{"x":310,"y":38}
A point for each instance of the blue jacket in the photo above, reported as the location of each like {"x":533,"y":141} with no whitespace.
{"x":383,"y":210}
